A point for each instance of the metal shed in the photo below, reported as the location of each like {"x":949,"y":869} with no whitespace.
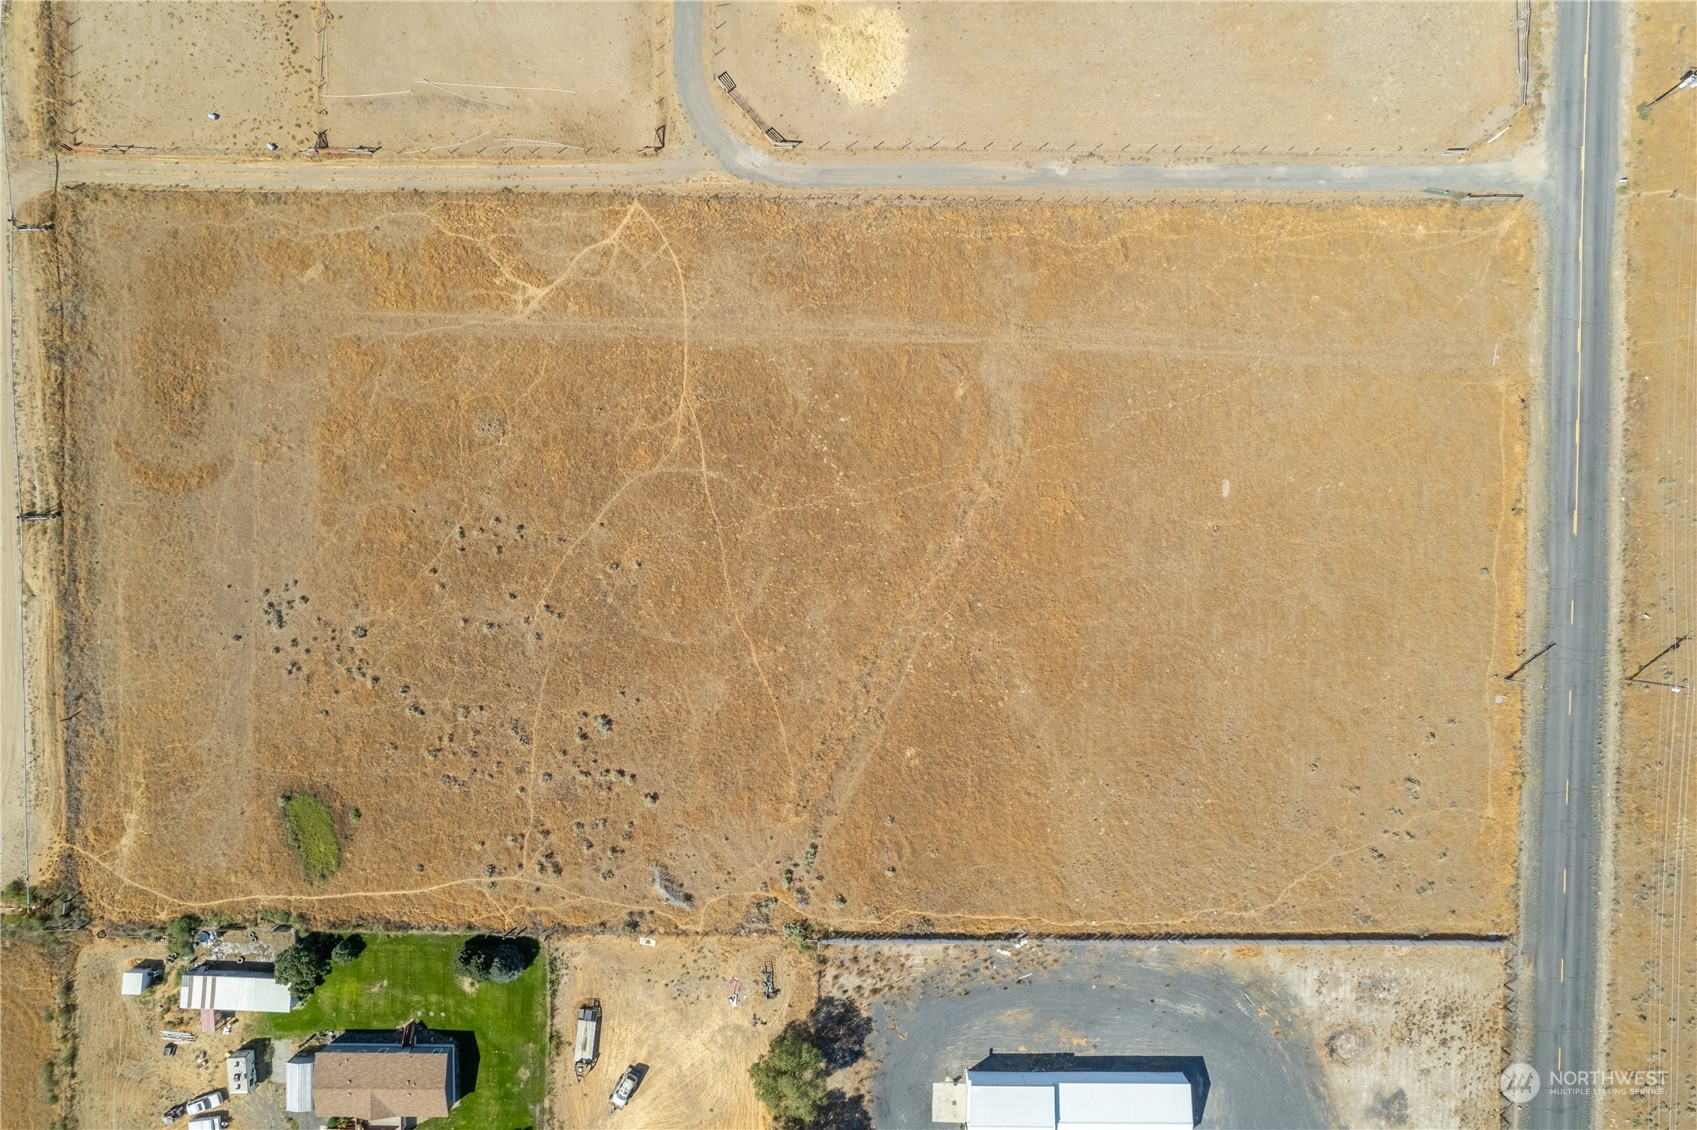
{"x":136,"y":981}
{"x":297,"y":1085}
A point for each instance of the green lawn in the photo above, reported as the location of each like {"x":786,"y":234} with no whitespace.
{"x":403,"y":976}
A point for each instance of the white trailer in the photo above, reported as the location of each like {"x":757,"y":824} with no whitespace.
{"x":587,"y":1047}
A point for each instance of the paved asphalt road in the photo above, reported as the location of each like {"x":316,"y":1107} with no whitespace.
{"x":1561,"y":930}
{"x":1099,"y":1001}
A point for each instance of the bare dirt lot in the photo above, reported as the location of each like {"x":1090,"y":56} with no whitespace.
{"x":27,"y":1004}
{"x":669,"y":1007}
{"x":414,"y":80}
{"x":1207,"y":81}
{"x":913,"y":565}
{"x":1653,"y":944}
{"x":123,"y":1079}
{"x":1290,"y":1035}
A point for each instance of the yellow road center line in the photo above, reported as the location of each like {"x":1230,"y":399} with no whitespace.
{"x":1562,"y":976}
{"x":1564,"y":880}
{"x":1558,"y":1059}
{"x":1566,"y":790}
{"x":1570,"y":603}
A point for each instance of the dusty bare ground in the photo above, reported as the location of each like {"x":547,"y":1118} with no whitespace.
{"x":593,"y":555}
{"x":497,"y":80}
{"x":1199,"y":81}
{"x":123,"y":1079}
{"x":417,"y":80}
{"x":669,"y":1007}
{"x":1652,"y":1021}
{"x":1429,"y":1024}
{"x":27,"y":1003}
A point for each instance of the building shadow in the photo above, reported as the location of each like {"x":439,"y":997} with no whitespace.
{"x":1192,"y":1067}
{"x":467,"y":1055}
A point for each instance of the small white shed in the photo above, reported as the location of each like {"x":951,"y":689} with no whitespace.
{"x":136,"y":981}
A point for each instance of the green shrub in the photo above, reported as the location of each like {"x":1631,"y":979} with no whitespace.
{"x":347,"y":948}
{"x":790,"y":1078}
{"x":798,"y":934}
{"x":179,"y":935}
{"x":484,"y":958}
{"x":312,"y":833}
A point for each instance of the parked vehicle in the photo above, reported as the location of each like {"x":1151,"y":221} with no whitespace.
{"x":172,"y":1113}
{"x":210,"y":1122}
{"x":200,"y":1104}
{"x":587,"y":1047}
{"x":625,"y":1087}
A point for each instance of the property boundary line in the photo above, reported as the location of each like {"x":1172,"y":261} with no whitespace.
{"x":1486,"y":941}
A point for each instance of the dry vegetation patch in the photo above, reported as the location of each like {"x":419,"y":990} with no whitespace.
{"x":1123,"y":81}
{"x":1652,"y":920}
{"x":30,"y":1086}
{"x":932,"y":564}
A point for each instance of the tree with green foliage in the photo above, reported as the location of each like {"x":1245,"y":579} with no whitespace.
{"x":303,"y":966}
{"x":179,"y":935}
{"x":799,"y":935}
{"x":490,"y":959}
{"x":347,"y":948}
{"x":790,"y":1078}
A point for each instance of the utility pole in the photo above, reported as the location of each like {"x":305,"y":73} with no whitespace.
{"x":1674,"y":646}
{"x":1686,"y":82}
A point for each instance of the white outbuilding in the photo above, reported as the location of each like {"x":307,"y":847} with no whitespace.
{"x":233,"y":990}
{"x":136,"y":981}
{"x":1071,"y":1095}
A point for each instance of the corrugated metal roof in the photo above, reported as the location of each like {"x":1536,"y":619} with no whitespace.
{"x":1010,"y":1107}
{"x":297,"y":1085}
{"x":234,"y":991}
{"x":1078,"y":1100}
{"x":1141,"y":1104}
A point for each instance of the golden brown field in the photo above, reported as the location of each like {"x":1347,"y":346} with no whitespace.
{"x":27,"y":984}
{"x":1652,"y":974}
{"x":934,"y":564}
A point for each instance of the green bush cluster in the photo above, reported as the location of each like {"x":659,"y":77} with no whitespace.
{"x":484,"y":958}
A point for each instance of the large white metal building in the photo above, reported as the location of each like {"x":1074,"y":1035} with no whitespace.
{"x":1078,"y":1100}
{"x":233,"y":990}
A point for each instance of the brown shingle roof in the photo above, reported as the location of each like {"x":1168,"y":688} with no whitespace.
{"x":395,"y":1082}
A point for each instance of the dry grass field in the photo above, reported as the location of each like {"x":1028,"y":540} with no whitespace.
{"x":419,"y":80}
{"x":27,"y":1004}
{"x":669,"y":1007}
{"x":1153,"y":79}
{"x":1653,"y":943}
{"x":930,"y":564}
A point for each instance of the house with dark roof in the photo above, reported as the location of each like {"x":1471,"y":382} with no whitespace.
{"x":394,"y":1079}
